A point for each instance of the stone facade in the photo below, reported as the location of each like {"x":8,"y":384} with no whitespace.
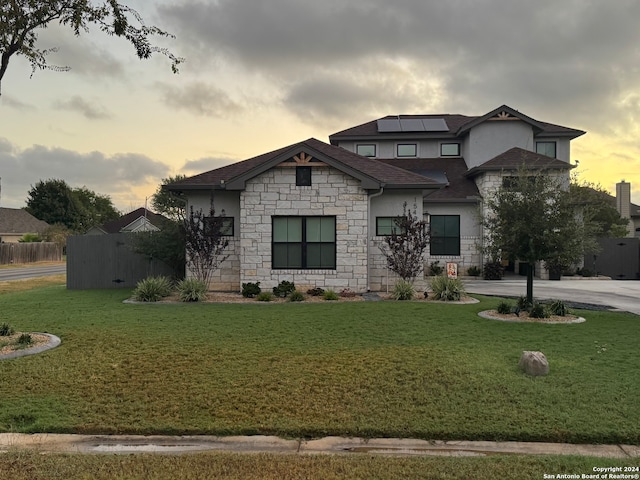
{"x":332,"y":193}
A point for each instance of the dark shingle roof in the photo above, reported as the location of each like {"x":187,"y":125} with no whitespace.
{"x":15,"y":221}
{"x":515,"y":157}
{"x":458,"y":125}
{"x":458,"y":187}
{"x":373,"y":173}
{"x":115,"y":226}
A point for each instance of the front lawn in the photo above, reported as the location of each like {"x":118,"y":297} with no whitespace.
{"x":387,"y":369}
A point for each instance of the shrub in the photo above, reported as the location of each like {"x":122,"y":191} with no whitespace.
{"x":435,"y":268}
{"x":585,"y":272}
{"x":330,"y":295}
{"x":403,"y":290}
{"x":24,"y":339}
{"x":474,"y":271}
{"x":447,"y":289}
{"x":6,"y":330}
{"x":493,"y":271}
{"x":504,"y":308}
{"x":283,"y":289}
{"x":265,"y":297}
{"x":523,"y":303}
{"x":192,"y":290}
{"x":347,"y":293}
{"x":250,"y":290}
{"x":538,"y":310}
{"x":315,"y":292}
{"x":558,"y":307}
{"x":296,"y":296}
{"x":152,"y":289}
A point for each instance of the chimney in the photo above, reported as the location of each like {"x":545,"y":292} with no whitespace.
{"x":623,"y":203}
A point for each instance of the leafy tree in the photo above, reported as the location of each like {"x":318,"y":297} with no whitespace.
{"x":53,"y":201}
{"x":204,"y":243}
{"x":599,"y":207}
{"x":404,"y":248}
{"x":20,"y":21}
{"x":78,"y":209}
{"x":166,"y":245}
{"x":98,"y":208}
{"x":168,"y":203}
{"x":30,"y":238}
{"x":533,"y":219}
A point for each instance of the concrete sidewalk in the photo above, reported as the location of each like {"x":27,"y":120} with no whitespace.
{"x":63,"y":443}
{"x":614,"y":294}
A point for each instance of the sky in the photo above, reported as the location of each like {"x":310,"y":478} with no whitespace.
{"x":262,"y":74}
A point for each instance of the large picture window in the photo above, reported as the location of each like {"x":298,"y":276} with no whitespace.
{"x":445,"y":234}
{"x":304,"y":243}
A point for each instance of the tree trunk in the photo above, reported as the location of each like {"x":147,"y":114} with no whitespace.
{"x":530,"y":268}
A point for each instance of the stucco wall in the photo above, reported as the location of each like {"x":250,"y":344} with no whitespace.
{"x":492,"y":138}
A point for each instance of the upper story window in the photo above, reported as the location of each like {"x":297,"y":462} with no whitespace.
{"x":546,"y":148}
{"x":449,"y":149}
{"x":366,"y":149}
{"x":407,"y":150}
{"x":303,"y":176}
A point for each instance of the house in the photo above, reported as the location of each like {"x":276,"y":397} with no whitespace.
{"x":316,"y":213}
{"x":626,"y":209}
{"x":140,"y":220}
{"x":15,"y":223}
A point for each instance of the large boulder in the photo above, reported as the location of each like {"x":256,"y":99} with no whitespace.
{"x":534,"y":363}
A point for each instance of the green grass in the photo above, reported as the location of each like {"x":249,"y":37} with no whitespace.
{"x":33,"y":466}
{"x":387,"y":369}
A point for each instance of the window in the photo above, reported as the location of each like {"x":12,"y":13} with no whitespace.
{"x":225,"y":224}
{"x":386,"y":226}
{"x":407,"y":150}
{"x":546,"y":148}
{"x":303,"y":176}
{"x":445,"y":234}
{"x":304,"y":242}
{"x":366,"y":150}
{"x":449,"y":149}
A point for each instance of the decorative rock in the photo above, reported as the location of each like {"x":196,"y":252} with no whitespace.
{"x":534,"y":363}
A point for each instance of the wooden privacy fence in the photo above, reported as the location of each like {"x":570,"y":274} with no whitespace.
{"x":108,"y":261}
{"x":29,"y":252}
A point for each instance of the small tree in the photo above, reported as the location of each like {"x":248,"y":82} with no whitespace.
{"x":168,"y":203}
{"x":533,"y":218}
{"x":204,"y":243}
{"x":404,"y":248}
{"x":166,"y":245}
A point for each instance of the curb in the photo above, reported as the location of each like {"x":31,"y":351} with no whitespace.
{"x":53,"y":343}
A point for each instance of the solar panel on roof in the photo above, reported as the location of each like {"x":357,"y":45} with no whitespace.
{"x":411,"y":125}
{"x":435,"y":125}
{"x":389,"y":125}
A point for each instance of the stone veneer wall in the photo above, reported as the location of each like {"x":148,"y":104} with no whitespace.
{"x":332,"y":193}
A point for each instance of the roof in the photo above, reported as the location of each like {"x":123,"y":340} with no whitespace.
{"x":458,"y":186}
{"x":372,"y":173}
{"x":117,"y":225}
{"x":515,"y":157}
{"x":15,"y":221}
{"x":457,"y":125}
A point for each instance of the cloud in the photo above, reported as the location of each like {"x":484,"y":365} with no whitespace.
{"x":576,"y":57}
{"x":80,"y":105}
{"x":201,"y":99}
{"x":12,"y":102}
{"x":117,"y":175}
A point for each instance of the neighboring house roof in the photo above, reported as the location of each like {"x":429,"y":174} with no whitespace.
{"x":451,"y":171}
{"x":516,"y":157}
{"x":121,"y":224}
{"x":456,"y":125}
{"x":15,"y":221}
{"x":372,"y":173}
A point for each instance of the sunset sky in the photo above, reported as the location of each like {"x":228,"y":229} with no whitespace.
{"x":260,"y":75}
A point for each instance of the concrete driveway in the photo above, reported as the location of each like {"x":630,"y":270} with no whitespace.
{"x":616,"y":294}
